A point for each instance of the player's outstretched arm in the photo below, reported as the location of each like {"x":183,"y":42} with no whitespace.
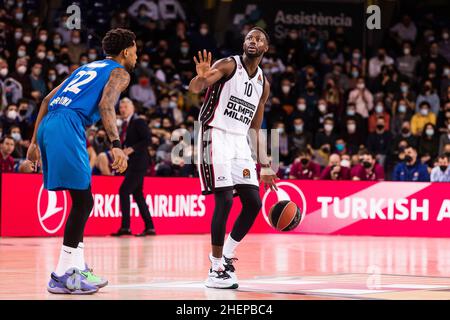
{"x":208,"y":75}
{"x":268,"y":176}
{"x":117,"y":83}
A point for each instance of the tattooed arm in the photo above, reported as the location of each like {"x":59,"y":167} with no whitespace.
{"x":117,"y":83}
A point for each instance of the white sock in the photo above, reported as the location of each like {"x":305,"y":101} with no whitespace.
{"x":79,"y":257}
{"x":216,"y":263}
{"x":229,"y":247}
{"x":66,"y":260}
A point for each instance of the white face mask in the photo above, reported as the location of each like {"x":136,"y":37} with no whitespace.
{"x":92,"y":56}
{"x":351,"y":128}
{"x":406,"y":51}
{"x":21,"y":53}
{"x":424,"y":112}
{"x":41,"y":55}
{"x":76,"y":40}
{"x":43,"y":38}
{"x":322,"y":108}
{"x":379,"y":109}
{"x":51,"y":58}
{"x":445,"y":36}
{"x":286,"y":89}
{"x":16,"y":136}
{"x":360,"y":86}
{"x":119,"y":122}
{"x":345,"y":163}
{"x":52,"y":77}
{"x":298,"y":128}
{"x":57,"y":41}
{"x":429,"y":132}
{"x":22,"y":69}
{"x":144,"y":64}
{"x":27,"y":39}
{"x":12,"y":115}
{"x":301,"y":106}
{"x":18,"y":35}
{"x":3,"y":72}
{"x":402,"y":108}
{"x":328,"y":127}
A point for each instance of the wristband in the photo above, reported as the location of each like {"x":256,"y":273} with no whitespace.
{"x":267,"y":171}
{"x":117,"y":144}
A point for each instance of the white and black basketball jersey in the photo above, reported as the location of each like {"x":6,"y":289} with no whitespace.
{"x":231,"y":103}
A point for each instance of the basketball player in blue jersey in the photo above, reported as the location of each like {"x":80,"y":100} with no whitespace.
{"x":234,"y":104}
{"x":59,"y":143}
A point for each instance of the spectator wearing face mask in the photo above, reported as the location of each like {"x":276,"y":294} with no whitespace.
{"x":310,"y":95}
{"x":52,"y":79}
{"x":377,"y":62}
{"x":379,"y":111}
{"x":39,"y":89}
{"x":433,"y":56}
{"x":330,"y":56}
{"x":401,"y":114}
{"x":445,"y":137}
{"x":428,"y":144}
{"x":7,"y":145}
{"x":204,"y":40}
{"x":100,"y":142}
{"x":286,"y":93}
{"x":353,"y":135}
{"x":304,"y":168}
{"x":326,"y":135}
{"x":405,"y":134}
{"x":405,"y":93}
{"x":407,"y":63}
{"x":300,"y":138}
{"x":21,"y":76}
{"x":334,"y":170}
{"x":10,"y":117}
{"x":21,"y":145}
{"x":368,"y":169}
{"x":379,"y":142}
{"x":143,"y":92}
{"x":307,"y":114}
{"x":421,"y":118}
{"x":333,"y":97}
{"x":362,"y":98}
{"x":321,"y":114}
{"x":411,"y":169}
{"x":76,"y":47}
{"x":441,"y":172}
{"x":25,"y":121}
{"x":445,"y":84}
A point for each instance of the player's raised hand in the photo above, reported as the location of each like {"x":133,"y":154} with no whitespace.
{"x":34,"y":155}
{"x":120,"y":160}
{"x":203,"y":64}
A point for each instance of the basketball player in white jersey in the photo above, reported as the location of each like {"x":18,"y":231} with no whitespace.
{"x":234,"y":103}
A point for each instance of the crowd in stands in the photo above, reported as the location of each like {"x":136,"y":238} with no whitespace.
{"x":342,"y":113}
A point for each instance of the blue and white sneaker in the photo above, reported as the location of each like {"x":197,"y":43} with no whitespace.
{"x":72,"y":282}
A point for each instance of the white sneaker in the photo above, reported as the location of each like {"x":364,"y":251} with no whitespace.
{"x":220,"y":280}
{"x":229,"y":267}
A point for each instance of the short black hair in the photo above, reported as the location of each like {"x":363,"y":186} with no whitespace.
{"x":2,"y":140}
{"x":117,"y":40}
{"x":263,"y":31}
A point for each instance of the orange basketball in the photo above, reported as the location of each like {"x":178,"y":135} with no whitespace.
{"x":285,"y":215}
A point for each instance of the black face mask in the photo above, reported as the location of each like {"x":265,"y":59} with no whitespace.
{"x":380,"y":127}
{"x":367,"y":164}
{"x":326,"y":150}
{"x":443,"y":168}
{"x":447,"y":154}
{"x":100,"y":139}
{"x":405,"y":130}
{"x":408,"y":159}
{"x":304,"y":161}
{"x":23,"y":112}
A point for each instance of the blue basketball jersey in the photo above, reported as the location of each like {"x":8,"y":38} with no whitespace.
{"x":83,"y":90}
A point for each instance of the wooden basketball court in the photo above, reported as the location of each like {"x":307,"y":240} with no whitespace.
{"x":283,"y":266}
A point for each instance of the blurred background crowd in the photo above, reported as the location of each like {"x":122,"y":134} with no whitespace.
{"x":342,"y":111}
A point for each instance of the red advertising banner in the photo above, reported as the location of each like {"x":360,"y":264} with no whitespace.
{"x":177,"y":207}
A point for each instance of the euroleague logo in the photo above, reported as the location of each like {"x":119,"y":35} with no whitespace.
{"x":51,"y":209}
{"x":286,"y":191}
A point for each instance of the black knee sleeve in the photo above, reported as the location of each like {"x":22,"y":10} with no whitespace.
{"x":224,"y":202}
{"x":251,"y":204}
{"x":82,"y":204}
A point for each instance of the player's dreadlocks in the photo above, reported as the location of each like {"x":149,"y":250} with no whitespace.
{"x":117,"y":40}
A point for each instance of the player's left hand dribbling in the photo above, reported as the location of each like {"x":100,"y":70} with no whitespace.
{"x":120,"y":160}
{"x":34,"y":155}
